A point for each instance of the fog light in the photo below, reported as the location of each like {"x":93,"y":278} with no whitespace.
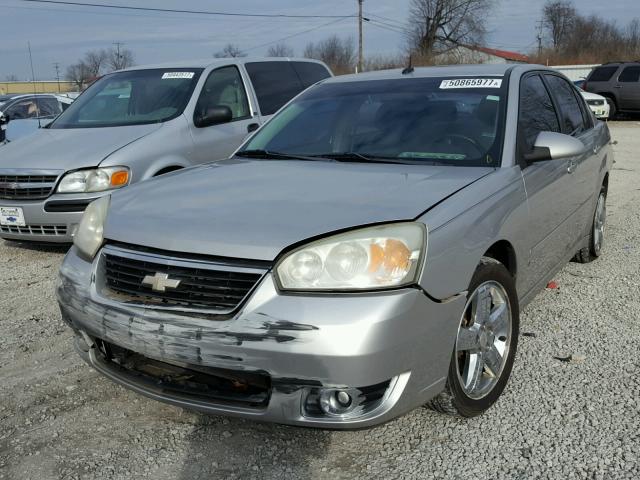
{"x":336,"y":402}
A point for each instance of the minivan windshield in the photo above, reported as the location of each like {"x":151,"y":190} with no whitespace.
{"x":133,"y":97}
{"x":452,"y":121}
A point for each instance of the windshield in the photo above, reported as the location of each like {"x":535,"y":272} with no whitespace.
{"x":453,"y":121}
{"x":131,"y":98}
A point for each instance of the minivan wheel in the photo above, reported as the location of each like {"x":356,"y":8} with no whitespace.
{"x":596,"y":234}
{"x":485,"y":346}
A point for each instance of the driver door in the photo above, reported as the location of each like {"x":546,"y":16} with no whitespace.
{"x":223,"y":87}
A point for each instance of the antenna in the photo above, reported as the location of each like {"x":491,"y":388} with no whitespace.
{"x":33,"y":80}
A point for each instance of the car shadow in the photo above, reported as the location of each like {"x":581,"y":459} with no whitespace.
{"x":38,"y":246}
{"x":220,"y":447}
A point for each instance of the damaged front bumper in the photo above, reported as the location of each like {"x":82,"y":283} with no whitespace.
{"x":336,"y":361}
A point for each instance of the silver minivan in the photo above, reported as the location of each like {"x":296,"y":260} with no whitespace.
{"x":135,"y":124}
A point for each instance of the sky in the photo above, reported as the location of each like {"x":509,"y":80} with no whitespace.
{"x":63,"y":33}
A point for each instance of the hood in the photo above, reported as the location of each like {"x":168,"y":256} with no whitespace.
{"x":253,"y":209}
{"x":591,"y":96}
{"x":68,"y":149}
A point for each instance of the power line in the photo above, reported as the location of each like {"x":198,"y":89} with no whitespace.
{"x":296,"y":34}
{"x":195,"y":12}
{"x":387,"y":19}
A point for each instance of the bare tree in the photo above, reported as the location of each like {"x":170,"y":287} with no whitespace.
{"x":336,"y":52}
{"x":437,"y":26}
{"x":119,"y":58}
{"x":558,"y":18}
{"x":280,"y":50}
{"x":95,"y":61}
{"x":11,"y":78}
{"x":78,"y":73}
{"x":230,"y":50}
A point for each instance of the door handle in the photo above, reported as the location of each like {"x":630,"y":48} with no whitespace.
{"x":618,"y":86}
{"x":252,"y":127}
{"x":572,"y":166}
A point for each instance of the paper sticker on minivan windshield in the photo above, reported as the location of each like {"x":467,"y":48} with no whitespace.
{"x":172,"y":75}
{"x":472,"y":83}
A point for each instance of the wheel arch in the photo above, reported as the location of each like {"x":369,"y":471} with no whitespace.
{"x":504,"y":252}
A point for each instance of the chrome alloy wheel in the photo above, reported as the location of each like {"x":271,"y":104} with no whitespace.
{"x":599,"y":223}
{"x":484,"y":338}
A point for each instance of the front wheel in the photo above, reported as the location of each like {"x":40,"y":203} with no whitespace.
{"x":485,"y":346}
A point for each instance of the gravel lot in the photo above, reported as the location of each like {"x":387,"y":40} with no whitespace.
{"x":558,"y":418}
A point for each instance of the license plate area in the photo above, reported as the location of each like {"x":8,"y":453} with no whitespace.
{"x":12,"y":216}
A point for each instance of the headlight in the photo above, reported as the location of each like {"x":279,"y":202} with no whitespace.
{"x":89,"y":236}
{"x":366,"y":259}
{"x":94,"y":180}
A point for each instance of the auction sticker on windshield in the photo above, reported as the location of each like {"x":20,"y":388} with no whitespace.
{"x":471,"y":83}
{"x":12,"y":216}
{"x":168,"y":75}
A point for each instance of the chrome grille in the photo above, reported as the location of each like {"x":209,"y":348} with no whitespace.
{"x":56,"y":230}
{"x":203,"y":285}
{"x":27,"y":185}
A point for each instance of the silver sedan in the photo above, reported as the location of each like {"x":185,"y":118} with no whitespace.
{"x":366,"y":252}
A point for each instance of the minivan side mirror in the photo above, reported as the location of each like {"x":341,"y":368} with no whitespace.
{"x":213,"y":116}
{"x":554,"y":146}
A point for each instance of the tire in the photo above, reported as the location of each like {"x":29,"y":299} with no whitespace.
{"x":463,"y":400}
{"x":613,"y":108}
{"x":596,"y":234}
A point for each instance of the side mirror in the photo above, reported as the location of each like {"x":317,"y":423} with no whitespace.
{"x":4,"y":119}
{"x":213,"y":116}
{"x":554,"y":146}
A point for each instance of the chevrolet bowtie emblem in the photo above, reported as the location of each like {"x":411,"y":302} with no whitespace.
{"x":160,"y":282}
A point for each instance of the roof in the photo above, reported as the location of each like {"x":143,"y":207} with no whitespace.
{"x":484,"y":69}
{"x":213,"y":62}
{"x":506,"y":54}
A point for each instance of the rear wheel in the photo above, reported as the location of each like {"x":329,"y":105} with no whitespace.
{"x":596,"y":235}
{"x":485,"y":345}
{"x":613,"y":109}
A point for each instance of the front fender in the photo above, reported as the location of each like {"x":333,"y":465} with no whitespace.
{"x":466,"y":225}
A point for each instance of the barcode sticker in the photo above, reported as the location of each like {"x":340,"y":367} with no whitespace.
{"x":172,"y":75}
{"x":471,"y":83}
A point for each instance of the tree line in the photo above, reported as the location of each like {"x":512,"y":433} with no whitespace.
{"x":95,"y":63}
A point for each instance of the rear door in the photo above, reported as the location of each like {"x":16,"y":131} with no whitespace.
{"x":583,"y":169}
{"x":548,"y":183}
{"x":223,"y":87}
{"x":629,"y":88}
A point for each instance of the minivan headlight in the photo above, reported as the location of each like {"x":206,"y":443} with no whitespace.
{"x":89,"y":236}
{"x":367,"y":259}
{"x":94,"y":180}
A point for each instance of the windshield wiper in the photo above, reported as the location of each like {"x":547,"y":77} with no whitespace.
{"x":268,"y":154}
{"x":362,"y":157}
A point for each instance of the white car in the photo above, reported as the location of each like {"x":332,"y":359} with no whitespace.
{"x":597,"y":103}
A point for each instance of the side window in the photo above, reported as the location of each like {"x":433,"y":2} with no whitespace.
{"x":275,"y":84}
{"x":570,"y":114}
{"x":630,"y":74}
{"x":49,"y":107}
{"x":537,"y":113}
{"x":224,"y":87}
{"x":310,"y":73}
{"x":602,"y":74}
{"x":26,"y":108}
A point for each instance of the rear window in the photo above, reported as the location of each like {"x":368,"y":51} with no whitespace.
{"x":275,"y":84}
{"x":310,"y":73}
{"x":630,"y":74}
{"x":602,"y":74}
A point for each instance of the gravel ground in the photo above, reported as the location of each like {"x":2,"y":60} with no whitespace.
{"x":560,"y":419}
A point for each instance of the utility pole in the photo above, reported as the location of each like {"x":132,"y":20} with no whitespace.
{"x":360,"y":59}
{"x":118,"y":56}
{"x":540,"y":26}
{"x":56,"y":65}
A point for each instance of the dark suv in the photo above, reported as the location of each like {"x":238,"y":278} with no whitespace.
{"x":619,"y":82}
